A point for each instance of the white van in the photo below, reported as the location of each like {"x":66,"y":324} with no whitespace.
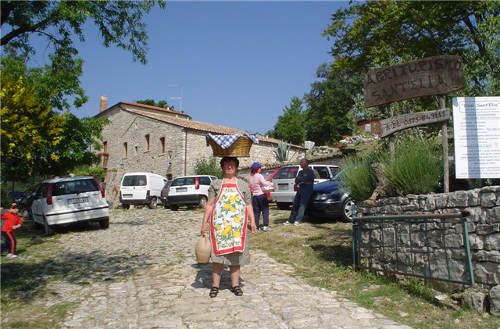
{"x":143,"y":188}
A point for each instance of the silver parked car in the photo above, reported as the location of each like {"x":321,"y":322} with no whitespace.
{"x":284,"y":181}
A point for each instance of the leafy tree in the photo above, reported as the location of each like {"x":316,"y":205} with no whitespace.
{"x":329,"y":103}
{"x":290,"y":125}
{"x":208,"y":167}
{"x":383,"y":33}
{"x":92,"y":170}
{"x":152,"y":102}
{"x":35,"y":139}
{"x":119,"y":23}
{"x":380,"y":33}
{"x":28,"y":125}
{"x":75,"y":146}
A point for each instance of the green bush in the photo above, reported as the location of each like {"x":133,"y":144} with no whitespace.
{"x":416,"y":166}
{"x":356,"y":177}
{"x":96,"y":171}
{"x":282,"y":152}
{"x":208,"y":167}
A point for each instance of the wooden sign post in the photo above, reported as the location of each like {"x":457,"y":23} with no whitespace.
{"x":444,"y":141}
{"x":435,"y":75}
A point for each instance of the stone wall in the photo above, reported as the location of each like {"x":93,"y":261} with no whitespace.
{"x":184,"y":147}
{"x":262,"y":152}
{"x":439,"y":238}
{"x":132,"y":129}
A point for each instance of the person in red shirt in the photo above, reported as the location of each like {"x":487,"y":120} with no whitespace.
{"x":10,"y":222}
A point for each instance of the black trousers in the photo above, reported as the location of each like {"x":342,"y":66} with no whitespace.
{"x":10,"y":242}
{"x":260,"y":205}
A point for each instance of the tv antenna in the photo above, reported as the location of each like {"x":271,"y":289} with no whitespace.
{"x":178,"y":98}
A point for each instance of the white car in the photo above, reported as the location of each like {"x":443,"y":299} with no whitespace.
{"x":141,"y":188}
{"x":189,"y":191}
{"x":284,"y":181}
{"x":68,"y":200}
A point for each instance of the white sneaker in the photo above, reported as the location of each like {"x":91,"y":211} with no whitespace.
{"x":11,"y":255}
{"x":297,"y":223}
{"x":287,"y":223}
{"x":265,"y":228}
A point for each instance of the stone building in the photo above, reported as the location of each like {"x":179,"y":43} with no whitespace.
{"x":148,"y":138}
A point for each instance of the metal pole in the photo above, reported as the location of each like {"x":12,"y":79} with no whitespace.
{"x":355,"y":249}
{"x":444,"y":141}
{"x":467,"y":250}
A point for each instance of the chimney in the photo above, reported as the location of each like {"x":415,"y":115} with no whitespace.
{"x":104,"y":103}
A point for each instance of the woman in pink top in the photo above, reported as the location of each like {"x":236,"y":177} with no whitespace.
{"x":259,"y":200}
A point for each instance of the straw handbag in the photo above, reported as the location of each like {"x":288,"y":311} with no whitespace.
{"x":202,"y":250}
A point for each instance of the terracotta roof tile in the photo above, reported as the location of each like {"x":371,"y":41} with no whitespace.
{"x":183,"y":120}
{"x":157,"y":108}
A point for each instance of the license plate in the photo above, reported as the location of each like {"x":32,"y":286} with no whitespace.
{"x":282,"y":187}
{"x":127,"y":195}
{"x":181,"y":189}
{"x":78,"y":200}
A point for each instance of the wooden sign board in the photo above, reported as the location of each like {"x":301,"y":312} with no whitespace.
{"x":391,"y":125}
{"x":429,"y":76}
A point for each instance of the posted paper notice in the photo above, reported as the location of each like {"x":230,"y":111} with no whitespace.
{"x":476,"y":129}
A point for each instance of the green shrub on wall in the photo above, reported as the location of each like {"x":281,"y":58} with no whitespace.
{"x":356,"y":177}
{"x":208,"y":167}
{"x":416,"y":166}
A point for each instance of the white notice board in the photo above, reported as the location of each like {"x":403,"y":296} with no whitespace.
{"x":476,"y":129}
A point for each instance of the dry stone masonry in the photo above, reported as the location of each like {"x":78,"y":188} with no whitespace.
{"x":442,"y":242}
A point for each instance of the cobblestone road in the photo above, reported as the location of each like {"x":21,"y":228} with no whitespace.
{"x":141,"y":273}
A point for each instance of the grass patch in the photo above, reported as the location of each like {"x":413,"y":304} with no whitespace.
{"x":321,"y":254}
{"x":26,"y":315}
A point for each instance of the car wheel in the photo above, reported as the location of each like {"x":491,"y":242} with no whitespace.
{"x":125,"y":206}
{"x":36,"y":225}
{"x":47,"y":228}
{"x":347,"y":208}
{"x":282,"y":206}
{"x":104,"y":223}
{"x":174,"y":208}
{"x":154,"y":203}
{"x":203,"y":202}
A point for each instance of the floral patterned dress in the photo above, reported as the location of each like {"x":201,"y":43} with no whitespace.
{"x":228,"y":223}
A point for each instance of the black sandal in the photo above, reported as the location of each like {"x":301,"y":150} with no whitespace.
{"x":213,"y":292}
{"x":237,"y":291}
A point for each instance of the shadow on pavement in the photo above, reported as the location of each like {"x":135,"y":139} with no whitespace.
{"x":203,"y":277}
{"x":24,"y":280}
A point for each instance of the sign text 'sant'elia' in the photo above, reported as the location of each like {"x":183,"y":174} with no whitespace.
{"x":429,"y":76}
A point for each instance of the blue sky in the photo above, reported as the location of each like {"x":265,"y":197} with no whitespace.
{"x":235,"y":64}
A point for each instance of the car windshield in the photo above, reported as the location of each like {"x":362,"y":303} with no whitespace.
{"x":134,"y":180}
{"x":183,"y":181}
{"x":75,"y":187}
{"x":287,"y":173}
{"x":338,"y":175}
{"x":266,"y":173}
